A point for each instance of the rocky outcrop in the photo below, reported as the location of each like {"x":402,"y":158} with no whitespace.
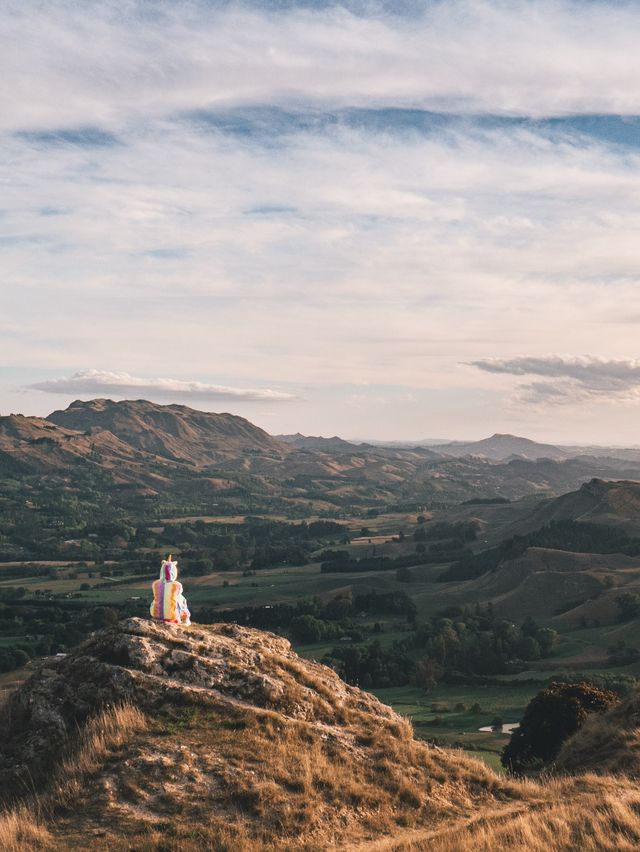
{"x":154,"y":737}
{"x":153,"y":666}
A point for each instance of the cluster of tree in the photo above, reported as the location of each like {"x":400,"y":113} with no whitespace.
{"x":331,"y":619}
{"x":462,"y":644}
{"x":384,"y":603}
{"x":259,"y":542}
{"x":14,"y":657}
{"x":476,"y":642}
{"x":372,"y":665}
{"x":280,"y":554}
{"x":308,"y":629}
{"x":51,"y":509}
{"x":559,"y":535}
{"x":45,"y":627}
{"x":32,"y":569}
{"x":621,"y":654}
{"x":628,"y":605}
{"x":341,"y":562}
{"x":551,"y":717}
{"x":91,"y":518}
{"x":39,"y":518}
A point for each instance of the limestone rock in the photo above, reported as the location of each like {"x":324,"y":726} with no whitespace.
{"x":152,"y":665}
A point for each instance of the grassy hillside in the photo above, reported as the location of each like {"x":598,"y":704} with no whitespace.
{"x":201,"y":755}
{"x":614,"y":503}
{"x":143,"y":461}
{"x":152,"y":737}
{"x":608,"y":743}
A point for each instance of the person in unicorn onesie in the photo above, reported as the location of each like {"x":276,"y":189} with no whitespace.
{"x":169,"y":604}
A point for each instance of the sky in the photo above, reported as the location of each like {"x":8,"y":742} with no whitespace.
{"x":386,"y":220}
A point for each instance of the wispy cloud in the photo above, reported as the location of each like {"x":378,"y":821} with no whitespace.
{"x":89,"y":137}
{"x":124,"y":385}
{"x":574,"y":379}
{"x":106,"y":62}
{"x":331,"y":193}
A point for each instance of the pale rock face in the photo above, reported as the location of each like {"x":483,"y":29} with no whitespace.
{"x":153,"y":665}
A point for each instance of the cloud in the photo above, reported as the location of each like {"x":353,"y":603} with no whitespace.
{"x":328,"y":193}
{"x":90,"y":137}
{"x":124,"y":385}
{"x":105,"y":63}
{"x":447,"y":240}
{"x":576,"y":380}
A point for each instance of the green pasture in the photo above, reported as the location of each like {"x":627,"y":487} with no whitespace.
{"x":268,"y":586}
{"x":434,"y":716}
{"x":391,"y":633}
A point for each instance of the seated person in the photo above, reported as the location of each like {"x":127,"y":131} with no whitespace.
{"x":169,"y":604}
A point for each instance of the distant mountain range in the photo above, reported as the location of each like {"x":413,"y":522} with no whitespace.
{"x":499,"y":447}
{"x":150,"y":448}
{"x":327,"y":445}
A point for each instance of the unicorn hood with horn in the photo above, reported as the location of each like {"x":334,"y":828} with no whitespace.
{"x":169,"y":604}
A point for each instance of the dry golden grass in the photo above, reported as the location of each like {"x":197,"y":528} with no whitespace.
{"x":605,"y":819}
{"x":244,"y":781}
{"x":21,"y":830}
{"x":279,"y":756}
{"x":607,"y":742}
{"x":102,"y":735}
{"x":25,"y":827}
{"x":249,"y":780}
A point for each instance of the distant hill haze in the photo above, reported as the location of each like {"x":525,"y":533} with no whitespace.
{"x":152,"y":447}
{"x":328,"y":445}
{"x":496,"y":448}
{"x":501,"y":447}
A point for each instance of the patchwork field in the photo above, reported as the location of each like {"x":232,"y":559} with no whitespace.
{"x":573,"y":593}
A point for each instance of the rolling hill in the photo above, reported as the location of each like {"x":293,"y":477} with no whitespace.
{"x":215,"y":461}
{"x":538,"y":570}
{"x":502,"y":447}
{"x":327,"y":445}
{"x":598,"y":501}
{"x":152,"y":737}
{"x":173,"y":432}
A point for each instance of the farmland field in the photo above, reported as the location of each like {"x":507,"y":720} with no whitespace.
{"x":443,"y":713}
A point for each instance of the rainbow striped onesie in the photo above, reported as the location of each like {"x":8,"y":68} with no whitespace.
{"x":169,"y":604}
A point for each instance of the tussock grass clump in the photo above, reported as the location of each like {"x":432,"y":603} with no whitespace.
{"x":242,"y":779}
{"x":101,"y":737}
{"x":24,"y":827}
{"x":603,"y":820}
{"x":23,"y":830}
{"x":606,"y":743}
